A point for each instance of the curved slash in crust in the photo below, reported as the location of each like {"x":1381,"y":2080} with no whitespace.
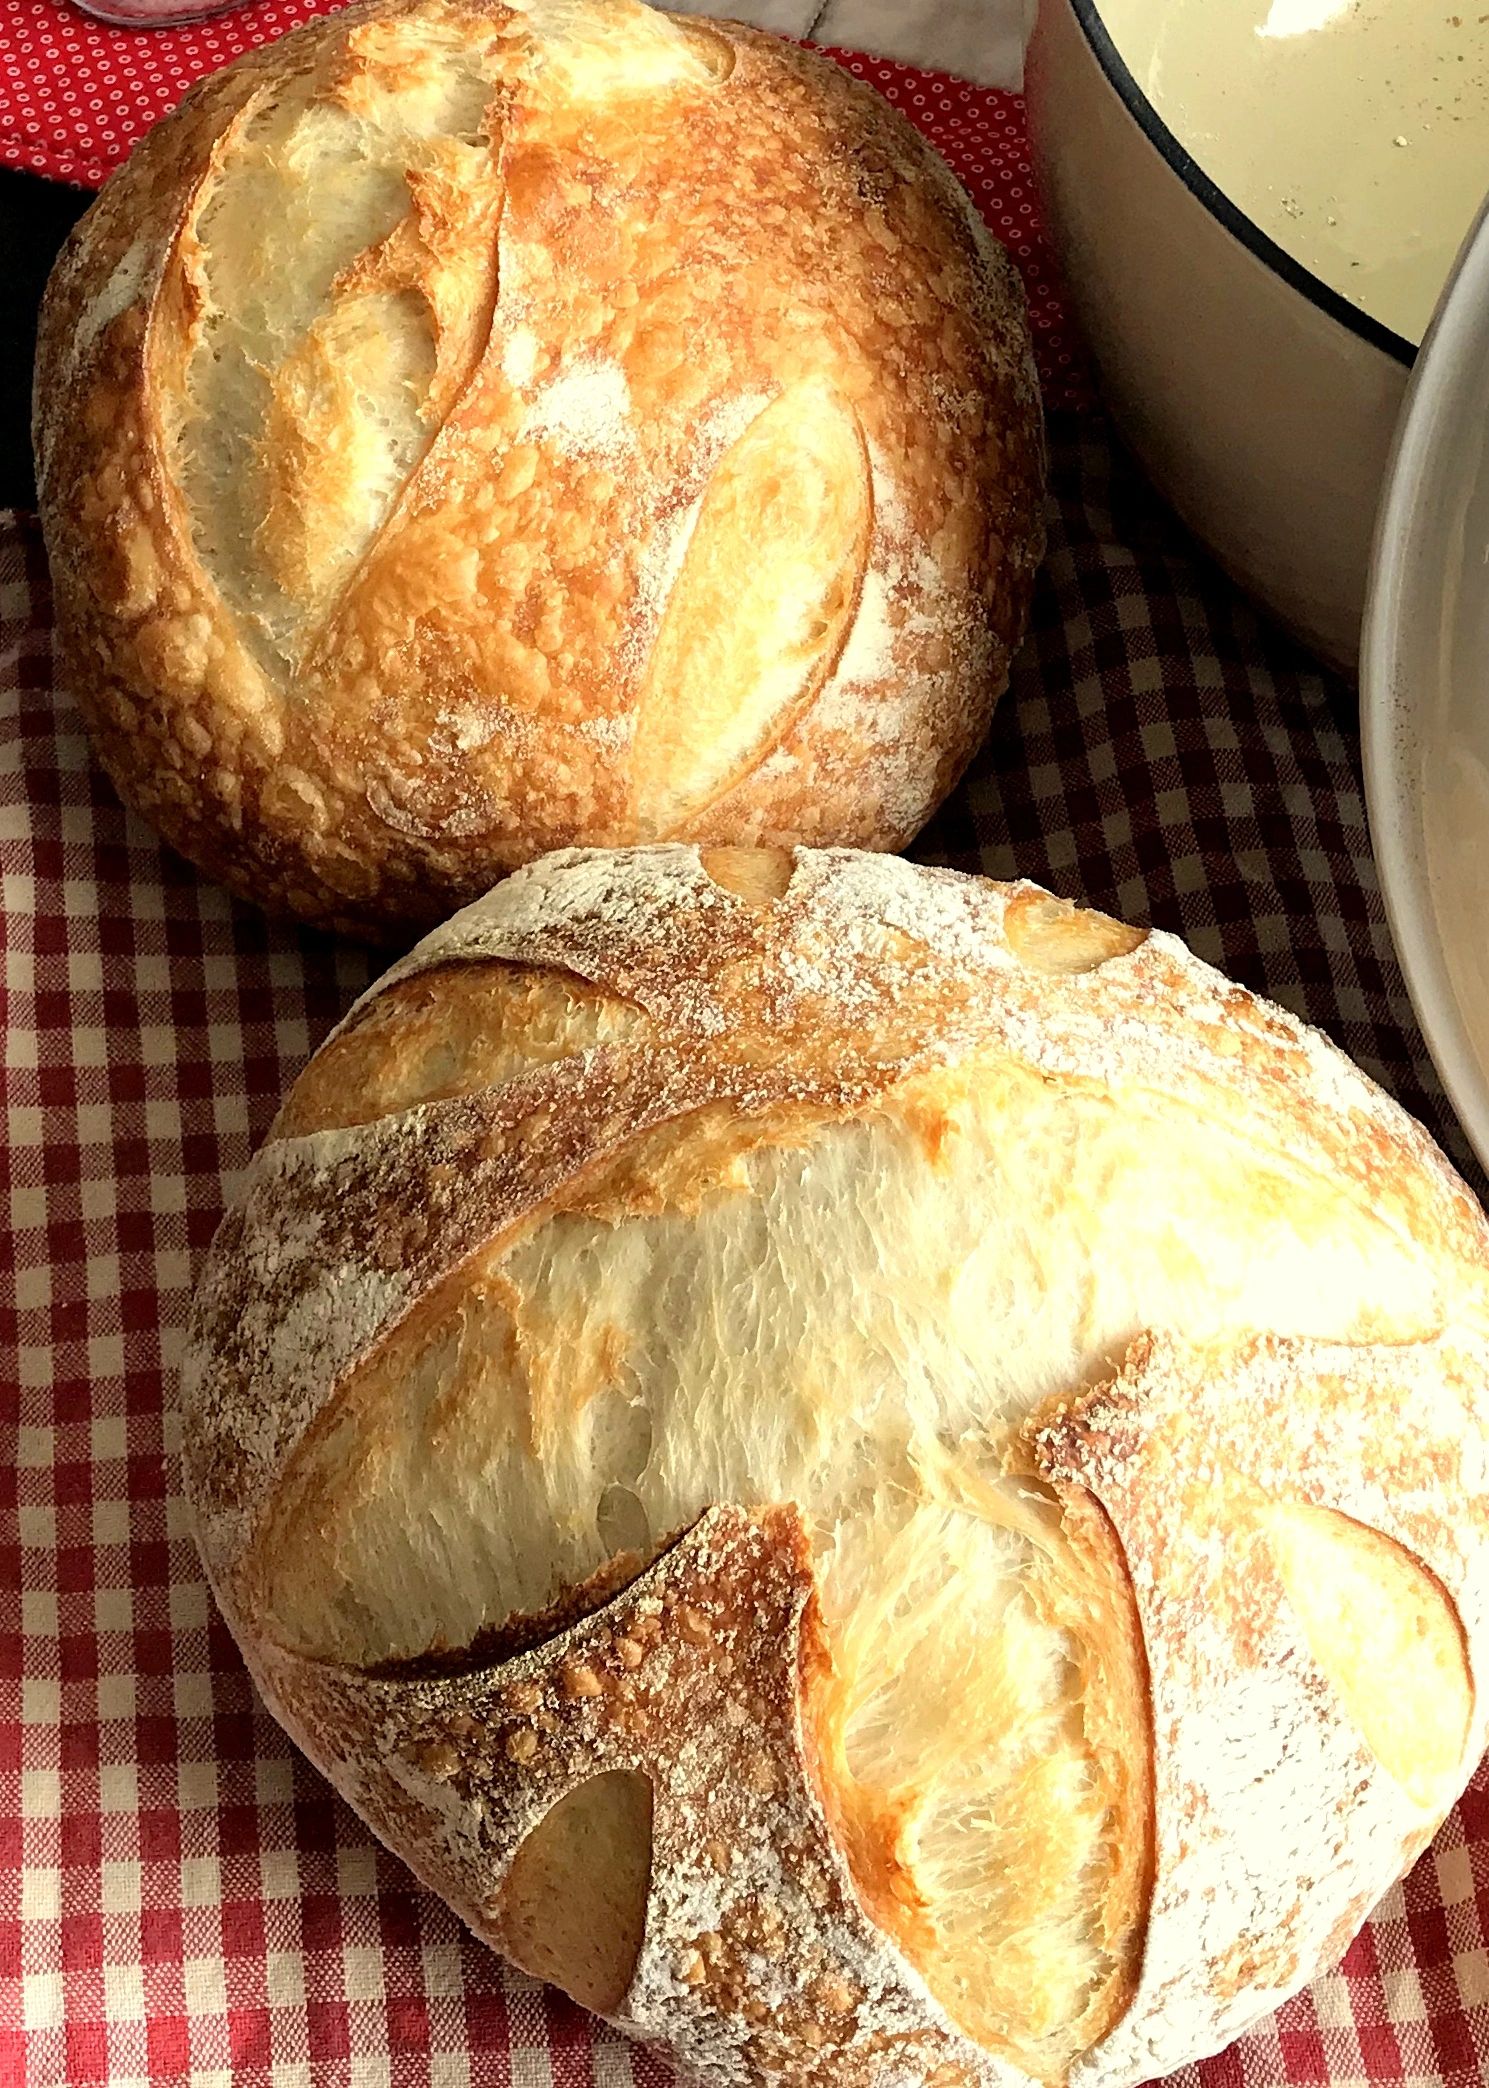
{"x":338,"y":1236}
{"x":693,"y":1678}
{"x":761,"y":608}
{"x":1277,"y":1827}
{"x":292,"y":395}
{"x":467,"y":381}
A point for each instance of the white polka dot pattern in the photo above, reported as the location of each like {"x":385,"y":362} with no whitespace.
{"x":76,"y":94}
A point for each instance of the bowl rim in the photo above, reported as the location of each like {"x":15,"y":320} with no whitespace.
{"x":1266,"y":249}
{"x":1402,"y":579}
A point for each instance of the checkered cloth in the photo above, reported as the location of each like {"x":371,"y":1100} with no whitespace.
{"x":181,"y":1899}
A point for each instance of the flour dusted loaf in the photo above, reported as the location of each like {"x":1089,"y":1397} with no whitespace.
{"x":883,"y":1478}
{"x":468,"y":429}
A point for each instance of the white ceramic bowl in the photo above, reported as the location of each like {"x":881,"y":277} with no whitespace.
{"x":1262,"y":400}
{"x":1424,"y":692}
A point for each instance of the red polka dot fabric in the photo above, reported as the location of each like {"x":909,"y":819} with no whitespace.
{"x":75,"y":95}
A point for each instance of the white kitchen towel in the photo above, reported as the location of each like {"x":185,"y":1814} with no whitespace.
{"x":982,"y":40}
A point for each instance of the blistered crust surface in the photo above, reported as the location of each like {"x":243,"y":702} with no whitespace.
{"x":360,"y":678}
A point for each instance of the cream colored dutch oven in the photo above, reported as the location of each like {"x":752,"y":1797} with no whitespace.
{"x":1256,"y":203}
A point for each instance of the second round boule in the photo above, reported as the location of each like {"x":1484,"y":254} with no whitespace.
{"x":881,"y":1477}
{"x":467,"y":429}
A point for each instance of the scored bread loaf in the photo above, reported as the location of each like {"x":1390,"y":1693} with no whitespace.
{"x":879,"y":1476}
{"x":467,"y":428}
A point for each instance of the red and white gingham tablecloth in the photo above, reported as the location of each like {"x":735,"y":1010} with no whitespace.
{"x":182,"y":1901}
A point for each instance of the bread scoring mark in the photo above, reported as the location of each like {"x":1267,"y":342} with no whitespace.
{"x":126,"y":285}
{"x":760,"y":609}
{"x":915,"y":628}
{"x":1386,"y":1633}
{"x":573,"y":1908}
{"x":983,"y":1743}
{"x":755,"y":874}
{"x":494,"y":1644}
{"x":312,"y":392}
{"x":1052,"y":936}
{"x":757,"y":1960}
{"x":1224,"y":1467}
{"x":418,"y":1479}
{"x":448,"y":1033}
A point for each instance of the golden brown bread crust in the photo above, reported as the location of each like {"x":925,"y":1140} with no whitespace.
{"x":1267,"y":1416}
{"x":721,"y":328}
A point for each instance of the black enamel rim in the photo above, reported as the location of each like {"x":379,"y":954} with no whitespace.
{"x":1220,"y":206}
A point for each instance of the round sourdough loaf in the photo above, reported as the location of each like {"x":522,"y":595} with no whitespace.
{"x":466,"y":429}
{"x":882,"y":1478}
